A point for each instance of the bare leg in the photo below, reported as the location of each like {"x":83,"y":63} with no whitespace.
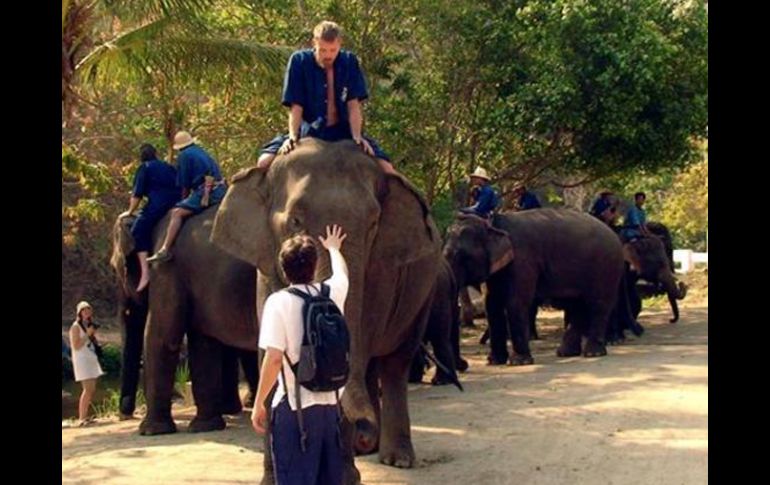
{"x":178,"y":215}
{"x":386,"y":166}
{"x":89,"y":388}
{"x":265,"y":160}
{"x":144,"y":279}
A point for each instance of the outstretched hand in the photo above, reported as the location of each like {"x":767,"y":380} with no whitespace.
{"x":334,"y":237}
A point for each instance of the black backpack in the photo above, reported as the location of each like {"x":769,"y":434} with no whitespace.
{"x":324,"y":362}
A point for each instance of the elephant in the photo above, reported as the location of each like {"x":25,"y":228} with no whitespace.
{"x":392,"y":252}
{"x":560,"y":256}
{"x":204,"y":293}
{"x":647,"y":260}
{"x":443,"y":331}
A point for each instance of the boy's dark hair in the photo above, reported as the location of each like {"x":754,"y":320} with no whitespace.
{"x":298,"y":257}
{"x":147,"y":152}
{"x":640,"y":194}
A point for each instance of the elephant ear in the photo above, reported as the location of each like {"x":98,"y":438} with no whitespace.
{"x":500,"y":249}
{"x":406,"y":232}
{"x":241,"y":225}
{"x":122,"y":243}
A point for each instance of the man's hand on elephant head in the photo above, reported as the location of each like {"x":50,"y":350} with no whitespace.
{"x":334,"y":237}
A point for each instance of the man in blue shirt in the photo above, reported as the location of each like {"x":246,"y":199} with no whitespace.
{"x":604,"y":208}
{"x":484,"y":196}
{"x":200,"y":179}
{"x":527,"y":200}
{"x":635,"y":223}
{"x":324,"y":88}
{"x":156,"y":180}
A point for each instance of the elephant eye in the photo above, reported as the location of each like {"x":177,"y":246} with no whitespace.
{"x":295,"y":222}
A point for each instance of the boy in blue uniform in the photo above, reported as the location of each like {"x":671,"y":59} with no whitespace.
{"x":156,"y":180}
{"x":202,"y":186}
{"x":324,"y":88}
{"x":484,"y":196}
{"x":635,"y":223}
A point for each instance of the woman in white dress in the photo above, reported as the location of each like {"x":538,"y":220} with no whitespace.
{"x":84,"y":360}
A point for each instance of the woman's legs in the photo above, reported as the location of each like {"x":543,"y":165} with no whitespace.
{"x":89,"y":388}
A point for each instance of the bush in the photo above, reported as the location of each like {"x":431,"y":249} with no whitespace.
{"x":111,"y":359}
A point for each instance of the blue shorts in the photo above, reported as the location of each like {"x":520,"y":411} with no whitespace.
{"x":193,"y":201}
{"x":340,"y":131}
{"x":322,"y":460}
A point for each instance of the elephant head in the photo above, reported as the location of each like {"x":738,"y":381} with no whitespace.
{"x":648,"y":259}
{"x":475,"y":250}
{"x":388,"y":228}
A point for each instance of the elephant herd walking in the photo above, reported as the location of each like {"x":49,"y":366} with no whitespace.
{"x":404,"y":283}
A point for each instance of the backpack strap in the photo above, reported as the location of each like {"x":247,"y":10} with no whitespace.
{"x":298,"y":400}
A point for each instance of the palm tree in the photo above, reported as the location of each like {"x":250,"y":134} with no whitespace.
{"x":150,"y":41}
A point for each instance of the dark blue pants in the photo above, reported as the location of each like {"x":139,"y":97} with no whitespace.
{"x":340,"y":131}
{"x":321,"y":462}
{"x":143,"y":226}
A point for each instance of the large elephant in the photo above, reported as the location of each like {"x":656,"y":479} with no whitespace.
{"x":442,"y":331}
{"x":648,"y":260}
{"x":204,"y":293}
{"x":564,"y":257}
{"x":392,"y":252}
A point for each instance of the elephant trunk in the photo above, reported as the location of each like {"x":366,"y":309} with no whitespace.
{"x":675,"y":292}
{"x":355,"y":401}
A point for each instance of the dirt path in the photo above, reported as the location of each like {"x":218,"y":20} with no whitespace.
{"x":638,"y":416}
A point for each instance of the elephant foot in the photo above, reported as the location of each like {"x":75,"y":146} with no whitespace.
{"x":198,"y":425}
{"x":233,"y":409}
{"x":565,"y":351}
{"x":594,"y":349}
{"x":462,"y":365}
{"x":154,"y":427}
{"x":248,"y":401}
{"x":637,"y":329}
{"x":497,"y":360}
{"x":125,"y":417}
{"x":525,"y":359}
{"x":401,"y":457}
{"x":440,"y":380}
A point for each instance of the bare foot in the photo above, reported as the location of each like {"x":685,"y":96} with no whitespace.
{"x":143,"y":282}
{"x":264,"y":161}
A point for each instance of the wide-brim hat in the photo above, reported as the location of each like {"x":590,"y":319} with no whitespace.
{"x":81,"y":306}
{"x":183,"y":139}
{"x":480,"y":173}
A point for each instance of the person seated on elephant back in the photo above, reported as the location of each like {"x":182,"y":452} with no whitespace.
{"x":324,"y":88}
{"x":635,"y":222}
{"x":202,"y":186}
{"x":525,"y":199}
{"x":156,"y":180}
{"x":315,"y":455}
{"x":484,"y":196}
{"x":605,"y":208}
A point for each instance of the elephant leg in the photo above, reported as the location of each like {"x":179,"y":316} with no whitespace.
{"x":598,"y":317}
{"x":454,"y":337}
{"x":442,"y":348}
{"x":518,"y":326}
{"x":533,"y":322}
{"x":231,"y":398}
{"x":206,"y":373}
{"x":496,"y":322}
{"x":134,"y":317}
{"x":395,"y":434}
{"x":250,"y":366}
{"x":575,"y":318}
{"x":162,"y":344}
{"x":417,"y":368}
{"x":373,"y":390}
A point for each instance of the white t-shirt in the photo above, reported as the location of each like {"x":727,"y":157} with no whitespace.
{"x":281,"y":329}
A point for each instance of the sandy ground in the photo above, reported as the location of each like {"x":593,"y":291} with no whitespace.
{"x":637,"y":416}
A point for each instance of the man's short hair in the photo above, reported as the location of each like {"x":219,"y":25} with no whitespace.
{"x":640,"y":194}
{"x":298,"y":257}
{"x":328,"y":31}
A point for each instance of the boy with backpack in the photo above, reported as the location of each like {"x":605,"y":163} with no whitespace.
{"x":306,"y":444}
